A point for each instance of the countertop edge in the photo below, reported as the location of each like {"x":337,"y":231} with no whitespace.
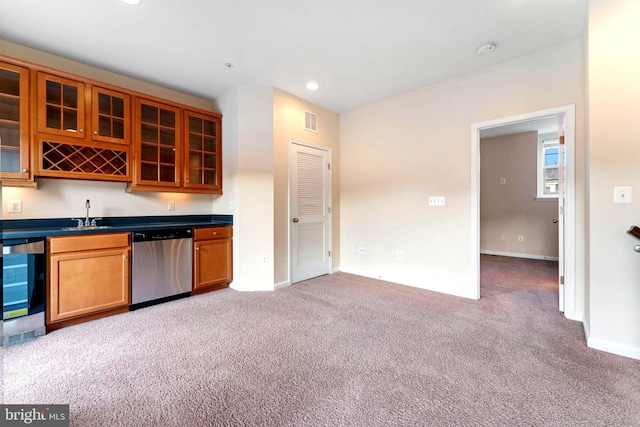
{"x":22,"y":233}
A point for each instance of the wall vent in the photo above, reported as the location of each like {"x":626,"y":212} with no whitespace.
{"x":310,"y":122}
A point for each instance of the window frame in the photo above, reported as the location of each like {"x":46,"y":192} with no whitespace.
{"x":543,"y":139}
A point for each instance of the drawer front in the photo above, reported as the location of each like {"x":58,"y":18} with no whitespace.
{"x":210,"y":233}
{"x":88,"y":242}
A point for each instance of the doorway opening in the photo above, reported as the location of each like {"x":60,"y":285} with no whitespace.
{"x":565,"y":218}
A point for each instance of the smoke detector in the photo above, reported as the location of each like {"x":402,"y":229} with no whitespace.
{"x":486,"y":48}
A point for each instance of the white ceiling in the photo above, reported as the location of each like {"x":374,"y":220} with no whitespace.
{"x":359,"y":51}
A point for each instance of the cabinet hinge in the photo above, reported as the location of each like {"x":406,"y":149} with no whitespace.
{"x":329,"y":166}
{"x":329,"y":209}
{"x":329,"y":254}
{"x":561,"y":140}
{"x":562,"y":280}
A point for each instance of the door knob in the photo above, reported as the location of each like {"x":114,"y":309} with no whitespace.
{"x":637,"y":248}
{"x":555,"y":220}
{"x":295,"y":220}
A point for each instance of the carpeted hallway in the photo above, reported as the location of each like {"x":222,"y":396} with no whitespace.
{"x":339,"y":350}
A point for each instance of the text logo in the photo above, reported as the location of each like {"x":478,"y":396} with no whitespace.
{"x":35,"y":415}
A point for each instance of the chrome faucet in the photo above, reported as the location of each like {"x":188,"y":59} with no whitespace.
{"x":91,"y":223}
{"x":87,"y":205}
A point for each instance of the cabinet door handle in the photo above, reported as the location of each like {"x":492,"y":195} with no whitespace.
{"x":25,"y":170}
{"x":295,"y":220}
{"x":197,"y":249}
{"x":95,"y":132}
{"x":81,"y":130}
{"x":215,"y":233}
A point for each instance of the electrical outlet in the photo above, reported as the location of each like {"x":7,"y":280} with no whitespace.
{"x":503,"y":237}
{"x":503,"y":181}
{"x":361,"y":250}
{"x":399,"y":255}
{"x":436,"y":200}
{"x":171,"y":205}
{"x":264,"y":259}
{"x":520,"y":238}
{"x":14,"y":206}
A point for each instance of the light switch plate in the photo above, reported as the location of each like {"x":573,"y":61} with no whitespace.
{"x":622,"y":195}
{"x":436,"y":200}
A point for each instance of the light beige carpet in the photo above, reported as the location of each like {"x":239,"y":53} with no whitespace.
{"x":339,"y":350}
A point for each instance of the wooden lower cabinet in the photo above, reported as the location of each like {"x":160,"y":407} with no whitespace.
{"x":212,"y":258}
{"x":87,"y":277}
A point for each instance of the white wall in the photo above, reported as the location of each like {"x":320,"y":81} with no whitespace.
{"x":248,"y":153}
{"x":63,"y":198}
{"x":614,"y":160}
{"x":396,"y":153}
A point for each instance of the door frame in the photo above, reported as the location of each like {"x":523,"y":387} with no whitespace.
{"x":292,"y":142}
{"x":568,"y":111}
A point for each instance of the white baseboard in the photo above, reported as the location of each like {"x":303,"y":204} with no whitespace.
{"x":281,"y":285}
{"x":610,"y":346}
{"x":517,"y":255}
{"x":399,"y":281}
{"x":359,"y":273}
{"x":613,"y":347}
{"x":587,"y":331}
{"x":335,"y":270}
{"x":579,"y":317}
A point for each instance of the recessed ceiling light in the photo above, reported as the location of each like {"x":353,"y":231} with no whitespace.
{"x":132,"y":2}
{"x":312,"y":86}
{"x":486,"y":48}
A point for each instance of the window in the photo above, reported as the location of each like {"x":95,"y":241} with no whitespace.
{"x":548,"y":158}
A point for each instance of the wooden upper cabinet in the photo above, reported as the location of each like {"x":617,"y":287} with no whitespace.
{"x":60,"y":125}
{"x":202,"y":152}
{"x":14,"y":122}
{"x":175,"y":149}
{"x":110,"y":116}
{"x":61,"y":106}
{"x":157,"y":144}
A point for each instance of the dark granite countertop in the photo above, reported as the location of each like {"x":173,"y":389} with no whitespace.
{"x":34,"y":228}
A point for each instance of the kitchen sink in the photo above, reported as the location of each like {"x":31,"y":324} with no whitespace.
{"x":86,"y":228}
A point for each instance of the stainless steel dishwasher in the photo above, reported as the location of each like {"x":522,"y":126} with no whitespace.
{"x":161,"y":266}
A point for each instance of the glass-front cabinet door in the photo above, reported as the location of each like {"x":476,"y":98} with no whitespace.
{"x":14,"y":123}
{"x":61,"y":106}
{"x":157,"y":144}
{"x":203,"y":160}
{"x":110,"y":116}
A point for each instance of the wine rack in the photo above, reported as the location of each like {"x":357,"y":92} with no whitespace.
{"x":79,"y":161}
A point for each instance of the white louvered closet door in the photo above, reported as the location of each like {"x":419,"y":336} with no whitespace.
{"x":310,"y":212}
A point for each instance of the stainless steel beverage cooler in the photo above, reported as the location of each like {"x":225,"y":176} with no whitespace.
{"x":23,"y":290}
